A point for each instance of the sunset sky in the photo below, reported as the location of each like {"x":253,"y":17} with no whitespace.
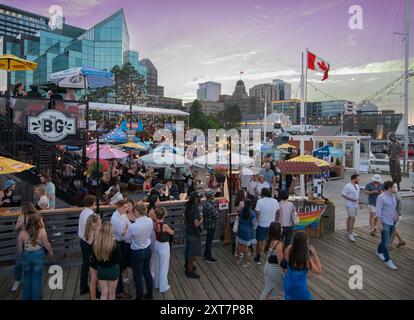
{"x":191,"y":41}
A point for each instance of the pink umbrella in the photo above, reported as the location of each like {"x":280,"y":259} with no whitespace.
{"x":105,"y":152}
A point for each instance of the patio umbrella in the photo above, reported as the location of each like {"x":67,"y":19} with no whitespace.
{"x":286,"y":146}
{"x":8,"y":165}
{"x":223,"y":158}
{"x":133,"y":145}
{"x":106,"y":152}
{"x":166,"y":147}
{"x":165,"y":159}
{"x":11,"y":63}
{"x":328,"y":151}
{"x":309,"y":158}
{"x":83,"y":77}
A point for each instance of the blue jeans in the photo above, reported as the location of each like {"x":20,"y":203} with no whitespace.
{"x":18,"y":267}
{"x":141,"y":260}
{"x":385,"y":239}
{"x":33,"y":266}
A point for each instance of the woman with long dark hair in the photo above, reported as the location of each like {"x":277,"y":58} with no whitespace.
{"x":299,"y":259}
{"x":244,"y":235}
{"x":193,"y":221}
{"x":272,"y":273}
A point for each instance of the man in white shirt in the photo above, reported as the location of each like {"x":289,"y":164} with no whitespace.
{"x":89,"y":202}
{"x":350,"y":193}
{"x":119,"y":227}
{"x":139,"y":234}
{"x":245,"y":177}
{"x":262,"y":184}
{"x":266,"y":210}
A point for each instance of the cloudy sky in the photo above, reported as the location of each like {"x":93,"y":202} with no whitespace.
{"x":191,"y":41}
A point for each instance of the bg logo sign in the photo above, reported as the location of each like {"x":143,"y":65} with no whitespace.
{"x":51,"y":125}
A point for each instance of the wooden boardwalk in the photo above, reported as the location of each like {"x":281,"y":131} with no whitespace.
{"x":226,"y":280}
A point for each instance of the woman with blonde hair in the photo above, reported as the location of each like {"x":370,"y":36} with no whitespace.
{"x":32,"y":246}
{"x":27,"y":209}
{"x":93,"y":224}
{"x":106,"y":256}
{"x":162,"y":250}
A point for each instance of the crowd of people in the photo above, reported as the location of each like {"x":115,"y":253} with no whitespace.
{"x":384,"y":205}
{"x":137,"y":239}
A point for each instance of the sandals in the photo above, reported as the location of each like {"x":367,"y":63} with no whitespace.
{"x":401,"y":244}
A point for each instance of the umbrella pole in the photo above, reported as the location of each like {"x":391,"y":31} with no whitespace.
{"x":97,"y":176}
{"x":231,"y":176}
{"x":8,"y":107}
{"x":86,"y":137}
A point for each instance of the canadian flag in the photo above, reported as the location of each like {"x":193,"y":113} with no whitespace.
{"x":318,"y":64}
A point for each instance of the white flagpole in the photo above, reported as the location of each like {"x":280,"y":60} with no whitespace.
{"x":302,"y":123}
{"x":265,"y":120}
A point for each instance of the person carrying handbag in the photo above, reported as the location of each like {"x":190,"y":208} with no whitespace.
{"x":288,"y":217}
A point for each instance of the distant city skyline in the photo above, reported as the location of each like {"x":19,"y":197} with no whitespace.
{"x":196,"y":41}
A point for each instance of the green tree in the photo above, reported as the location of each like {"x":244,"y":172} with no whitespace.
{"x":231,"y":116}
{"x":212,"y":123}
{"x":129,"y":84}
{"x":197,"y":117}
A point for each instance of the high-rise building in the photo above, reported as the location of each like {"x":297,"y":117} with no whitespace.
{"x":290,"y":108}
{"x":132,"y":56}
{"x":15,"y":21}
{"x":103,"y":46}
{"x":209,"y":91}
{"x":248,"y":105}
{"x":152,"y":77}
{"x":164,"y":102}
{"x":267,"y":91}
{"x":284,"y":89}
{"x":208,"y":107}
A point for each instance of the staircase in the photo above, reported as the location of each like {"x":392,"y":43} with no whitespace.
{"x":18,"y":144}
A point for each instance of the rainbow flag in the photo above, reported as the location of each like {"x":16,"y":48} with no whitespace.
{"x":311,"y":219}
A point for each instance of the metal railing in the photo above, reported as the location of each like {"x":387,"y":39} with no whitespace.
{"x":17,"y":143}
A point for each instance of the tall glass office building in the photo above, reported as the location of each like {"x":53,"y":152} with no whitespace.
{"x":103,"y":46}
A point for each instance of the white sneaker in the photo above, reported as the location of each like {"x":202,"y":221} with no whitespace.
{"x":351,"y":237}
{"x":381,"y":256}
{"x":391,"y":265}
{"x":355,"y":235}
{"x":15,"y":286}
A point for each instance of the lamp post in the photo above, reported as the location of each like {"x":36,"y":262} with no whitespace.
{"x":98,"y":173}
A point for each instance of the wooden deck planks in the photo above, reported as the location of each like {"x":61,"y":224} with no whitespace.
{"x":227,"y":280}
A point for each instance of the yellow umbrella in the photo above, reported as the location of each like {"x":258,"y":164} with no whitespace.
{"x":8,"y":165}
{"x":309,"y":158}
{"x":131,"y":145}
{"x":12,"y":63}
{"x":286,"y":146}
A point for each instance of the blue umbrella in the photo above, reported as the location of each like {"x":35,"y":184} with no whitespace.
{"x":82,"y":78}
{"x":116,"y":136}
{"x":327,"y":151}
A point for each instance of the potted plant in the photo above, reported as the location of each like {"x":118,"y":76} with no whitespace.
{"x":339,"y":168}
{"x":220,"y":172}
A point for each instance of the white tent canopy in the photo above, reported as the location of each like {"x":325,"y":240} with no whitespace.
{"x":112,"y":107}
{"x":164,"y":159}
{"x":222,"y":158}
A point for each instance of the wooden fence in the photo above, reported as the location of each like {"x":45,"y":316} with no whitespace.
{"x":62,"y":229}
